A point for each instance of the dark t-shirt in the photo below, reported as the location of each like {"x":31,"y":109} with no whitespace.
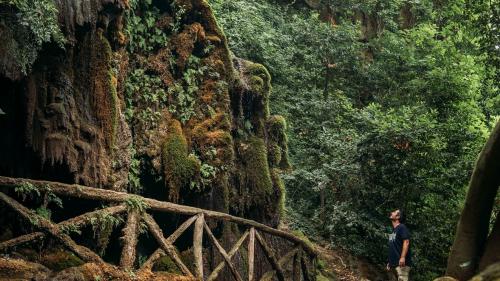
{"x":396,"y":238}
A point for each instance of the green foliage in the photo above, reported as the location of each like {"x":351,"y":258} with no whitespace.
{"x":184,"y":91}
{"x":134,"y":181}
{"x":105,"y":221}
{"x":32,"y":23}
{"x":136,"y":203}
{"x":143,"y":88}
{"x":142,"y":30}
{"x":70,"y":228}
{"x":26,"y":190}
{"x":394,"y":120}
{"x":44,"y":212}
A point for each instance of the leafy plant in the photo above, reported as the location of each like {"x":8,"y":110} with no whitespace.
{"x":143,"y":32}
{"x":33,"y":23}
{"x":134,"y":181}
{"x":184,"y":92}
{"x":136,"y":203}
{"x":104,"y":221}
{"x":142,"y":88}
{"x":26,"y":190}
{"x":70,"y":228}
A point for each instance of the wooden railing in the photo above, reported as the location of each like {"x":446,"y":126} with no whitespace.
{"x":297,"y":264}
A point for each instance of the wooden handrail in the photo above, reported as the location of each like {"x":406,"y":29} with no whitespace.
{"x":85,"y":192}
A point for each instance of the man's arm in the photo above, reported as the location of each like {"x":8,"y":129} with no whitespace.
{"x":406,"y":245}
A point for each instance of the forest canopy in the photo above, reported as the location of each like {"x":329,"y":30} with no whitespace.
{"x":389,"y":104}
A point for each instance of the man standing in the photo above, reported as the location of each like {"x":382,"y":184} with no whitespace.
{"x":399,"y":260}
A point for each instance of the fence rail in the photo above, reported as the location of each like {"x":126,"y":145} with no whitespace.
{"x":299,"y":258}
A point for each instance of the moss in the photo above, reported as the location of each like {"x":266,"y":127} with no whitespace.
{"x":277,"y":142}
{"x":259,"y":79}
{"x":303,"y":237}
{"x":105,"y":97}
{"x":213,"y":133}
{"x":279,"y":191}
{"x":255,"y":175}
{"x":179,"y":167}
{"x":166,"y":264}
{"x":60,"y":259}
{"x":274,"y":154}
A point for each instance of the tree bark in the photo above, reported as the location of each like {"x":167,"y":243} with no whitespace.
{"x":492,"y":249}
{"x":130,"y":240}
{"x":198,"y":246}
{"x":472,"y":230}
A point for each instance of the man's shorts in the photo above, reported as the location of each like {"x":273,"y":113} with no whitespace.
{"x":402,"y":273}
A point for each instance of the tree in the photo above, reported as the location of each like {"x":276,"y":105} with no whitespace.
{"x":472,"y":249}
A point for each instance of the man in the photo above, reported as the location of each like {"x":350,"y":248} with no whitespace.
{"x":399,"y":260}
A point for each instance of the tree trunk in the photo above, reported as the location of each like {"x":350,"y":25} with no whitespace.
{"x":492,"y":249}
{"x":472,"y":230}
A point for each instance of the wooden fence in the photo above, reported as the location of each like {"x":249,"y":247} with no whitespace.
{"x":299,"y":261}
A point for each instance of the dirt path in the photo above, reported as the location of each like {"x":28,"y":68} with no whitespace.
{"x":338,"y":265}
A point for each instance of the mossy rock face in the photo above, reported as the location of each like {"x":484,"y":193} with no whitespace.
{"x":259,"y":78}
{"x":60,"y":259}
{"x":179,"y":167}
{"x":277,"y":142}
{"x":105,"y":99}
{"x":255,"y":175}
{"x":279,"y":191}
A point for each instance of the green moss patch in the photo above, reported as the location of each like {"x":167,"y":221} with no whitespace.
{"x":180,"y":168}
{"x":277,"y":142}
{"x":255,"y":176}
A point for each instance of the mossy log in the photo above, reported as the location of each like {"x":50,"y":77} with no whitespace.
{"x":82,"y":252}
{"x":84,"y":192}
{"x":472,"y":231}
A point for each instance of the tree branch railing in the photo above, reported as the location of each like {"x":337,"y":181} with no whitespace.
{"x":300,"y":257}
